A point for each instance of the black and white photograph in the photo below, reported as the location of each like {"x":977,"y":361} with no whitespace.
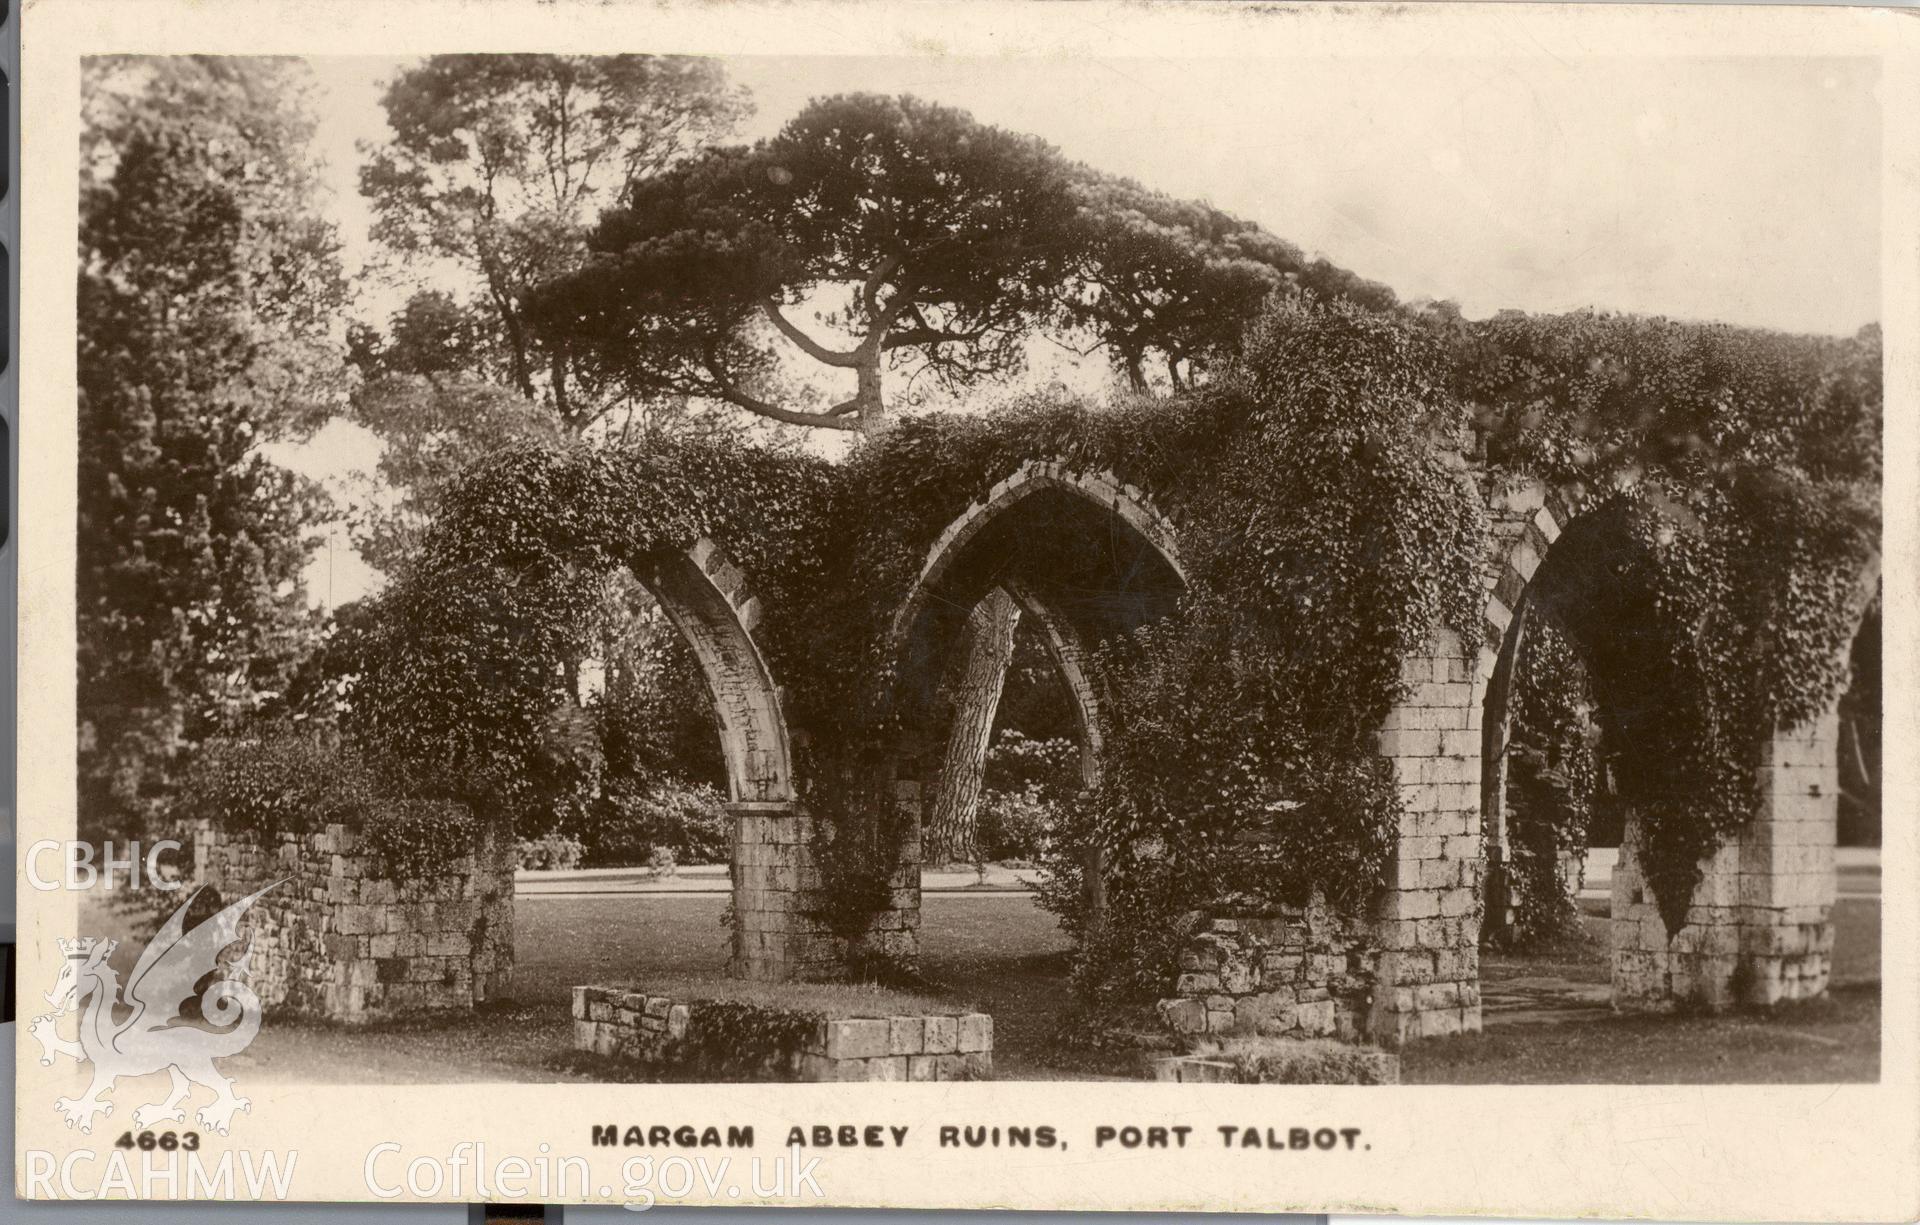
{"x":636,"y":574}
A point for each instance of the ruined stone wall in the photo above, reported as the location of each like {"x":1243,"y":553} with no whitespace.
{"x":1427,"y":926}
{"x":343,"y":939}
{"x":651,"y":1028}
{"x":1301,"y":972}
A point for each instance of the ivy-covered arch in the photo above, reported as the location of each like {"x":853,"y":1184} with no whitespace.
{"x":1086,"y":553}
{"x":463,"y":678}
{"x":708,"y":600}
{"x":1083,"y":554}
{"x":1287,"y":697}
{"x":1678,"y":516}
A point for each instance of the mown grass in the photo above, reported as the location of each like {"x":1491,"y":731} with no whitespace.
{"x":1008,"y":958}
{"x":831,"y":1000}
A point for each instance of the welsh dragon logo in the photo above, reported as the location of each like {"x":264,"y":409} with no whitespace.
{"x":151,"y":1035}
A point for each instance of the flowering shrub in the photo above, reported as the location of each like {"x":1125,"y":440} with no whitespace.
{"x":1016,"y":826}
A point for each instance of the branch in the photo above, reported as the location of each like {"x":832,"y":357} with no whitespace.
{"x":808,"y":345}
{"x":725,"y":388}
{"x":915,"y":337}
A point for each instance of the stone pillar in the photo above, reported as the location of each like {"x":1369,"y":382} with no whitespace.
{"x":1427,"y":981}
{"x":780,"y":929}
{"x":777,"y":934}
{"x":1760,"y":927}
{"x":495,"y":856}
{"x":893,"y":935}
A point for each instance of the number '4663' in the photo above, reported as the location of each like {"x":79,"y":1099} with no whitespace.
{"x":165,"y":1141}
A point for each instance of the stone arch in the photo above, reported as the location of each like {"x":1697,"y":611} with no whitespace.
{"x":1758,"y":928}
{"x":1446,"y":743}
{"x":1129,"y":573}
{"x":1525,"y":524}
{"x":987,"y":546}
{"x":707,"y":599}
{"x":1128,"y":504}
{"x":1069,"y":655}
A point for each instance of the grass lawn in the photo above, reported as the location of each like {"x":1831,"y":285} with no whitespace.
{"x":1004,"y":955}
{"x":836,"y":1000}
{"x":1832,"y":1040}
{"x":1836,"y":1039}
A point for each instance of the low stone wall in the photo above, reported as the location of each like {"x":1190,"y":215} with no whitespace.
{"x":1301,"y":972}
{"x":343,"y":939}
{"x":637,"y":1025}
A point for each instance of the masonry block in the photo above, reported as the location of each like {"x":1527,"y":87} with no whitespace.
{"x":340,"y":939}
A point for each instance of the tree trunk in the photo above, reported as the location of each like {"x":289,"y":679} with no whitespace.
{"x":950,"y":834}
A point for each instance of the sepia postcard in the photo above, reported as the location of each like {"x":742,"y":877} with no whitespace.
{"x":1221,"y":607}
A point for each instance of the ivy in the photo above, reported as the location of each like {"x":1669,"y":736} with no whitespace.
{"x":288,"y":781}
{"x":460,"y":666}
{"x":1329,"y":527}
{"x":1552,"y":777}
{"x":1726,"y":488}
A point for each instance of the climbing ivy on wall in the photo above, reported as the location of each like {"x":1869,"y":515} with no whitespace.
{"x":460,"y":664}
{"x":1551,"y":779}
{"x":1726,"y":483}
{"x":1329,"y":525}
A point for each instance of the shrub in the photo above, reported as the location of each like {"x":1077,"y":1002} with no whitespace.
{"x":552,"y":852}
{"x":624,"y":828}
{"x":279,"y":781}
{"x":1015,"y":825}
{"x":1015,"y":762}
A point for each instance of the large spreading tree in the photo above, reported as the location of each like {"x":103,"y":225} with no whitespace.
{"x":871,"y":234}
{"x":208,"y":290}
{"x":494,"y":171}
{"x":497,"y":166}
{"x":877,"y":237}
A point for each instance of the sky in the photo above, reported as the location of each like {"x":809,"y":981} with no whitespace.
{"x":1745,"y":190}
{"x":1742,"y":190}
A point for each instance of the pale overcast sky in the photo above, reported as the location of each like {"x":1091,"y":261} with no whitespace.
{"x":1744,"y":190}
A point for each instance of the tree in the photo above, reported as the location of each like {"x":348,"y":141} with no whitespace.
{"x":918,"y":236}
{"x":207,"y":289}
{"x":497,"y":165}
{"x":919,"y":239}
{"x":495,"y":168}
{"x":418,"y":391}
{"x":1181,"y":280}
{"x":932,"y":242}
{"x":951,"y":829}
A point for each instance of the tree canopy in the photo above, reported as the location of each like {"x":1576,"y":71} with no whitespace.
{"x":1182,"y":280}
{"x":917,"y":239}
{"x":916,"y":235}
{"x":208,"y":286}
{"x":498,"y":163}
